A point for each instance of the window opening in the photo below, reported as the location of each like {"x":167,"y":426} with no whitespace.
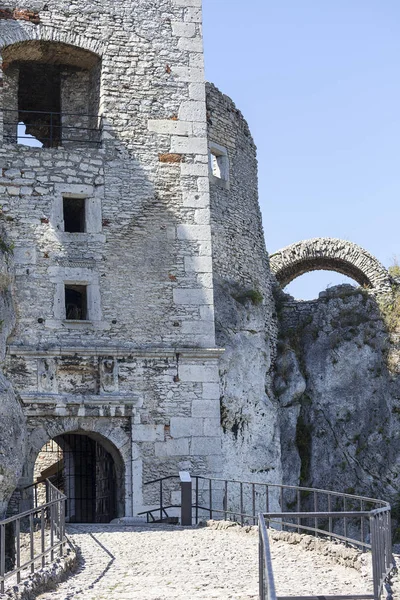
{"x":216,"y":165}
{"x":39,"y":102}
{"x":74,"y":210}
{"x":76,"y":302}
{"x":219,"y":163}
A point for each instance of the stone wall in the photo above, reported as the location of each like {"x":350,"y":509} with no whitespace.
{"x":142,"y":369}
{"x":172,"y":368}
{"x":245,"y":320}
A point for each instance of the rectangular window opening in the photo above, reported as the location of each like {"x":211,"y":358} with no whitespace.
{"x":74,"y":210}
{"x":216,"y":165}
{"x":76,"y":302}
{"x":219,"y":164}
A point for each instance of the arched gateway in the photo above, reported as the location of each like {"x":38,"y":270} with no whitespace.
{"x":80,"y":466}
{"x":88,"y":467}
{"x":330,"y":254}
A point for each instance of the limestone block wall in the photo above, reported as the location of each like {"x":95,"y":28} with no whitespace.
{"x":244,"y":307}
{"x":145,"y":361}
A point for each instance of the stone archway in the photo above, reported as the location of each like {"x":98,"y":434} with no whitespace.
{"x":109,"y":447}
{"x":15,"y":31}
{"x":80,"y":466}
{"x":330,"y":254}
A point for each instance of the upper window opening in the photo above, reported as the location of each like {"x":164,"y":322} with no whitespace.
{"x":52,"y":89}
{"x":39,"y":101}
{"x":218,"y":163}
{"x":76,"y":302}
{"x":74,"y":210}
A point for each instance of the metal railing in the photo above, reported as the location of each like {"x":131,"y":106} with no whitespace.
{"x":33,"y":537}
{"x":265,"y":572}
{"x":52,"y":129}
{"x":160,"y":514}
{"x":356,"y":521}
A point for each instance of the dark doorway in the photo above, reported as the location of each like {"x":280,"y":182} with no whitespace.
{"x":39,"y":101}
{"x":85,"y":472}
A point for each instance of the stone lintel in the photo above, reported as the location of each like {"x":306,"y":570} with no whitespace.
{"x":82,"y":400}
{"x":115,"y":351}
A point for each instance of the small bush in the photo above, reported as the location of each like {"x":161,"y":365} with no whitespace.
{"x":253,"y":295}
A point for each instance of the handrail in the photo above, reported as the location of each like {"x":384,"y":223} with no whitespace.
{"x":161,"y":479}
{"x":359,"y":521}
{"x":266,"y":574}
{"x":50,"y":112}
{"x":295,"y":487}
{"x":52,"y":536}
{"x":52,"y":128}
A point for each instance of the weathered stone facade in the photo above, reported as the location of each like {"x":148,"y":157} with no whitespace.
{"x":136,"y":291}
{"x":245,"y":315}
{"x":141,"y":369}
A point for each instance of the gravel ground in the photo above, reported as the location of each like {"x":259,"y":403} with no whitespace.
{"x":165,"y":563}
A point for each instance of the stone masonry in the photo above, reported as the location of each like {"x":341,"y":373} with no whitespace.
{"x":141,"y":370}
{"x":140,"y":310}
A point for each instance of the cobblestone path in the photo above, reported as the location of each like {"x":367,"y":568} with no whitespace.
{"x":165,"y":563}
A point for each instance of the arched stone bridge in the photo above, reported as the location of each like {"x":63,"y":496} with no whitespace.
{"x":330,"y":254}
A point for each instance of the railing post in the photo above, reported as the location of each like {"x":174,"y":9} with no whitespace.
{"x":375,"y":573}
{"x":2,"y":556}
{"x":32,"y":541}
{"x":388,"y":539}
{"x":226,"y":501}
{"x":241,"y":504}
{"x":42,"y":537}
{"x":260,"y":564}
{"x":161,"y":501}
{"x":254,"y":504}
{"x":18,"y":549}
{"x":210,"y":498}
{"x":197,"y":500}
{"x":186,"y":498}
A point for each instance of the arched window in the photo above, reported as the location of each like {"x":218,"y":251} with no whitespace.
{"x":53,"y":89}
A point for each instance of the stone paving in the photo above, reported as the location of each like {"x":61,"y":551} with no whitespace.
{"x":165,"y":563}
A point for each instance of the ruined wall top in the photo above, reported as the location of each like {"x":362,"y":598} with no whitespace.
{"x":330,"y":254}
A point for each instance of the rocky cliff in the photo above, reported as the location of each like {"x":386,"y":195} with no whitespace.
{"x":12,"y":420}
{"x":338,"y":388}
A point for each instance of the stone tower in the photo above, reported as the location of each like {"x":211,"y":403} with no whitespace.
{"x":107,"y":152}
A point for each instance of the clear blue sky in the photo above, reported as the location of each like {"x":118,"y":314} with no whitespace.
{"x":319,"y":83}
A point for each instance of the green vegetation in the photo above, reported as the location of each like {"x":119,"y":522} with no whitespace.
{"x":254,"y":296}
{"x":390,"y":304}
{"x":390,"y":310}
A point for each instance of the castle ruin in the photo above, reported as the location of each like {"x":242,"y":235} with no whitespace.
{"x":140,"y":314}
